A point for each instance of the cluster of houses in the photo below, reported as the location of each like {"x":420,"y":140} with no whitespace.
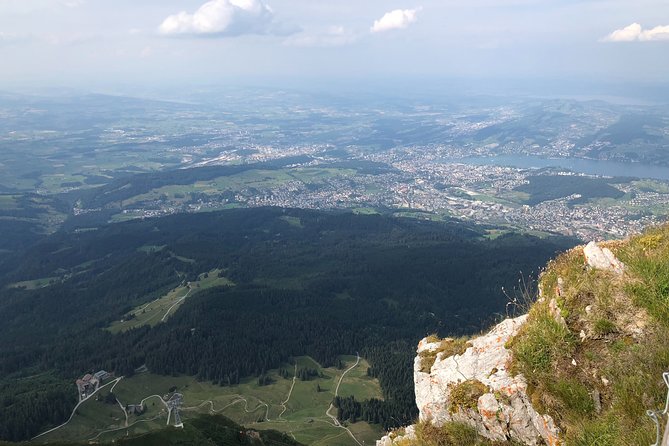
{"x":90,"y":383}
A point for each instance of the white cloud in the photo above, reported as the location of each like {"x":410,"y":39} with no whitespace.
{"x":635,"y":32}
{"x":331,"y":37}
{"x":657,"y":33}
{"x":397,"y":19}
{"x":221,"y":18}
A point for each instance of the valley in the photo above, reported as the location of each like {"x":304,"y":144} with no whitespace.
{"x":214,"y":306}
{"x":292,"y":222}
{"x":286,"y":403}
{"x":219,"y":257}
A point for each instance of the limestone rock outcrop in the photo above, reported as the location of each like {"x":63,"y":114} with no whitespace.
{"x":476,"y":387}
{"x":602,"y":258}
{"x":398,"y":438}
{"x":503,"y":411}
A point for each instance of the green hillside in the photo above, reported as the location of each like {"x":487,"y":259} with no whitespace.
{"x":306,"y":283}
{"x":593,"y":350}
{"x":598,"y":374}
{"x":204,"y":430}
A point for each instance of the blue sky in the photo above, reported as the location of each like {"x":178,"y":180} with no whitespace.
{"x":149,"y":42}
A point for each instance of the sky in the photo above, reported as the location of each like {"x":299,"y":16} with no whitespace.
{"x":190,"y":42}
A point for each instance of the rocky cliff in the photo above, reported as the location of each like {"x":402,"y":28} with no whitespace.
{"x":476,"y":387}
{"x":582,"y":367}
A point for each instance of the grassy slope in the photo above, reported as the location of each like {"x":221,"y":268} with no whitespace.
{"x":304,"y":417}
{"x":625,"y":321}
{"x":153,"y":312}
{"x":599,"y":371}
{"x":258,"y":179}
{"x":203,"y":430}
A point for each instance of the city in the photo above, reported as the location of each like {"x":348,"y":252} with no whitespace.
{"x":416,"y":181}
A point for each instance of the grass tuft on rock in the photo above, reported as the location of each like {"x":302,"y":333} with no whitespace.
{"x":447,"y":347}
{"x":465,"y":395}
{"x":540,"y":345}
{"x":450,"y":434}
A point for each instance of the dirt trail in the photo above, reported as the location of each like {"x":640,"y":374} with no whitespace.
{"x":334,"y":419}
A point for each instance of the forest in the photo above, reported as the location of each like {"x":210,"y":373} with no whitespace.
{"x":128,"y":186}
{"x":306,"y":282}
{"x":550,"y":187}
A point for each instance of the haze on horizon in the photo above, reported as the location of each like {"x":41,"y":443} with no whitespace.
{"x":56,"y":43}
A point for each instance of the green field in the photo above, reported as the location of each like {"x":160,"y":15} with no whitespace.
{"x":62,"y":275}
{"x":303,"y":415}
{"x":35,"y":283}
{"x":251,"y":179}
{"x":60,"y":182}
{"x":162,"y":308}
{"x":493,"y":234}
{"x":658,"y":209}
{"x":512,"y":198}
{"x":37,"y":211}
{"x":419,"y":215}
{"x":293,"y":221}
{"x":365,"y":211}
{"x":660,"y":187}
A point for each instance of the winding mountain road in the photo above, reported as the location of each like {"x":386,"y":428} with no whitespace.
{"x":126,"y":427}
{"x":240,"y":399}
{"x":335,"y":421}
{"x":290,"y":392}
{"x":181,"y":299}
{"x":77,"y":407}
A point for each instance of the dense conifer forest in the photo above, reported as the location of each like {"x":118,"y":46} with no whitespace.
{"x":305,"y":283}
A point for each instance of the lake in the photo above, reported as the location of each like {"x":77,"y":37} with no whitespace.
{"x":580,"y":165}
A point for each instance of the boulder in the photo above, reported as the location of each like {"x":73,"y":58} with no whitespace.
{"x":602,"y":258}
